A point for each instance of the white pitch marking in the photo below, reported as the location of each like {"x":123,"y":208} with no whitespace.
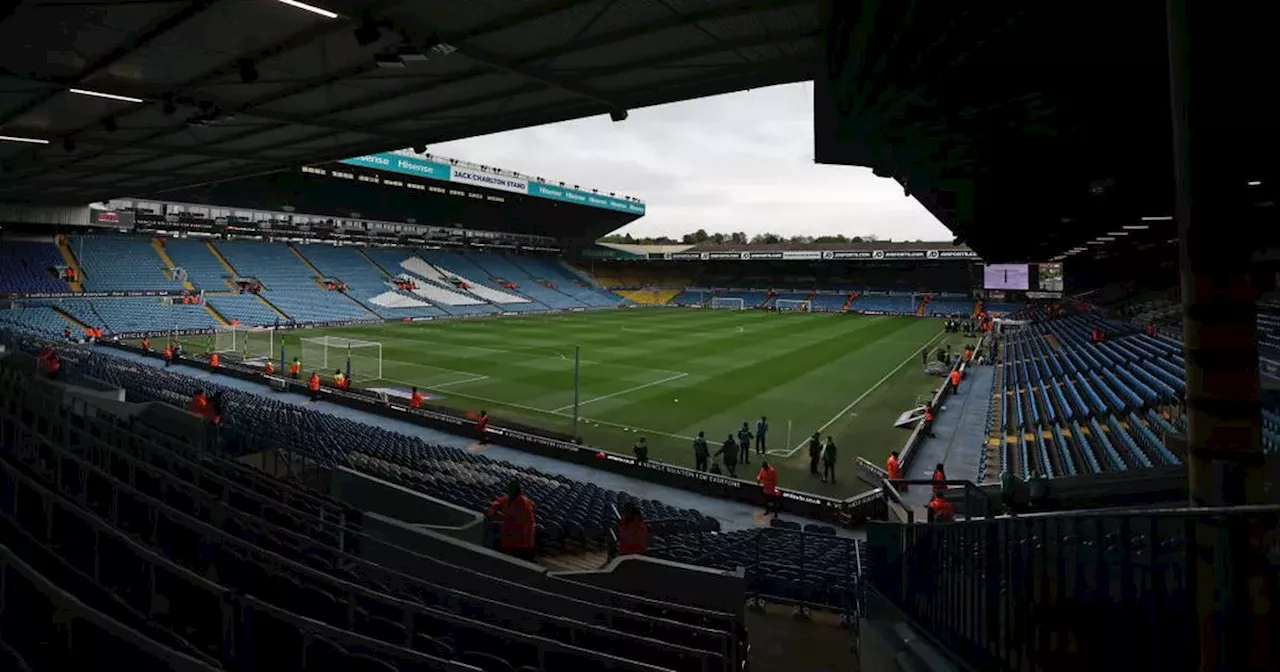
{"x":592,"y":400}
{"x":846,"y":409}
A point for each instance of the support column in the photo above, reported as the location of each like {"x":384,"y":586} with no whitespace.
{"x":1224,"y":448}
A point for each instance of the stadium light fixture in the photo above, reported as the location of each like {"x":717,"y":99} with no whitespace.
{"x":1136,"y":227}
{"x":1117,"y":233}
{"x":1105,"y":239}
{"x":1255,"y":183}
{"x":18,"y":138}
{"x":309,"y":8}
{"x":108,"y":96}
{"x":1161,"y":218}
{"x":1096,"y":242}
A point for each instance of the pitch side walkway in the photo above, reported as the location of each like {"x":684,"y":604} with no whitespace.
{"x":732,"y":515}
{"x":960,"y":432}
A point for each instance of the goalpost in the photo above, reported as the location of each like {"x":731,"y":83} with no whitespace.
{"x":245,"y":343}
{"x":359,"y":360}
{"x":792,"y":305}
{"x":727,"y":303}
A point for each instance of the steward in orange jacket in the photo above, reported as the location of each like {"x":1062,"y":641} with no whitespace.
{"x":516,"y":533}
{"x":943,"y":511}
{"x":633,"y":533}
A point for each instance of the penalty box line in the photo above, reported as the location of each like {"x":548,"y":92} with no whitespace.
{"x":864,"y":395}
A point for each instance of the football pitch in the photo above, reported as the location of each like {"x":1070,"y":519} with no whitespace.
{"x":667,"y":373}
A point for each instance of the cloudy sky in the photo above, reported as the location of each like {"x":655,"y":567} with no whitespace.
{"x":739,"y":162}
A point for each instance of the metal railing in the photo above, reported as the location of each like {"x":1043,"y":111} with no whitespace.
{"x":1088,"y":590}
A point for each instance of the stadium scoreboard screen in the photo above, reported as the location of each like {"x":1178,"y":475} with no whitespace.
{"x":1042,"y":279}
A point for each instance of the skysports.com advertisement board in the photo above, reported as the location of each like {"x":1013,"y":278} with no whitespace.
{"x":444,"y":172}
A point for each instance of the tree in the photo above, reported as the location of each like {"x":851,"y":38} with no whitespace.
{"x":839,"y":238}
{"x":738,"y":238}
{"x":700,"y":236}
{"x":718,"y":238}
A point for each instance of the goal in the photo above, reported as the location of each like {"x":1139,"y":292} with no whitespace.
{"x":792,"y":305}
{"x":245,"y":343}
{"x":359,"y":360}
{"x":727,"y":303}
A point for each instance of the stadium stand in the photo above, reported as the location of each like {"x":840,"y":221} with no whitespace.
{"x":882,"y":303}
{"x":1069,"y":406}
{"x":30,"y":267}
{"x":502,"y":267}
{"x":258,"y":573}
{"x":42,"y":320}
{"x":203,"y":269}
{"x":459,"y":270}
{"x":121,"y":263}
{"x":810,"y":567}
{"x":289,"y":284}
{"x":247,"y":308}
{"x":367,"y":283}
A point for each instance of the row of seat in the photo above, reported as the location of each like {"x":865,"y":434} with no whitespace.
{"x":30,"y":266}
{"x":162,"y":521}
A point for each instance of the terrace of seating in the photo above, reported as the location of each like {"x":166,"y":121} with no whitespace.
{"x":460,"y":268}
{"x":29,"y":267}
{"x":247,"y":308}
{"x":366,"y":283}
{"x":432,"y":285}
{"x":203,"y":269}
{"x":567,"y":281}
{"x":121,"y":263}
{"x":648,"y":297}
{"x":1069,"y":406}
{"x":809,"y":567}
{"x":692,"y":297}
{"x":43,"y":320}
{"x":135,"y":314}
{"x":290,"y":284}
{"x":879,"y":303}
{"x":949,"y":306}
{"x":499,"y":266}
{"x":202,"y":528}
{"x":827,"y":302}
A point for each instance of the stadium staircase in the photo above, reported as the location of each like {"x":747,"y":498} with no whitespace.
{"x":319,"y":275}
{"x":70,"y":318}
{"x":168,"y":263}
{"x":374,"y":263}
{"x":216,"y":315}
{"x":217,"y":254}
{"x":69,"y":257}
{"x":853,"y":296}
{"x":924,"y":305}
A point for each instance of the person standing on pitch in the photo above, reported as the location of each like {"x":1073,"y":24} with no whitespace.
{"x":815,"y":452}
{"x":730,"y":452}
{"x":744,"y":442}
{"x":700,"y":452}
{"x":762,"y":428}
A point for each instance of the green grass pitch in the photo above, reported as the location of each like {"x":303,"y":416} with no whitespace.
{"x":668,"y":373}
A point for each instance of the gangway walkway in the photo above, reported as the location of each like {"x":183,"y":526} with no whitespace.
{"x":960,"y":433}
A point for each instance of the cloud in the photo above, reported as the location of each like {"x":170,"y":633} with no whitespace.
{"x":738,"y":162}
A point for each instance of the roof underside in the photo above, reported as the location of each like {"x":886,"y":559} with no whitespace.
{"x":1032,"y":128}
{"x":320,"y":94}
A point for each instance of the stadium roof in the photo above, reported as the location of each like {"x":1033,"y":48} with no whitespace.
{"x":220,"y":89}
{"x":1035,"y":128}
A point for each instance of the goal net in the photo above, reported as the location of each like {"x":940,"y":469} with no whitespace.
{"x":727,"y":303}
{"x":792,"y":305}
{"x":245,"y":343}
{"x":359,"y":360}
